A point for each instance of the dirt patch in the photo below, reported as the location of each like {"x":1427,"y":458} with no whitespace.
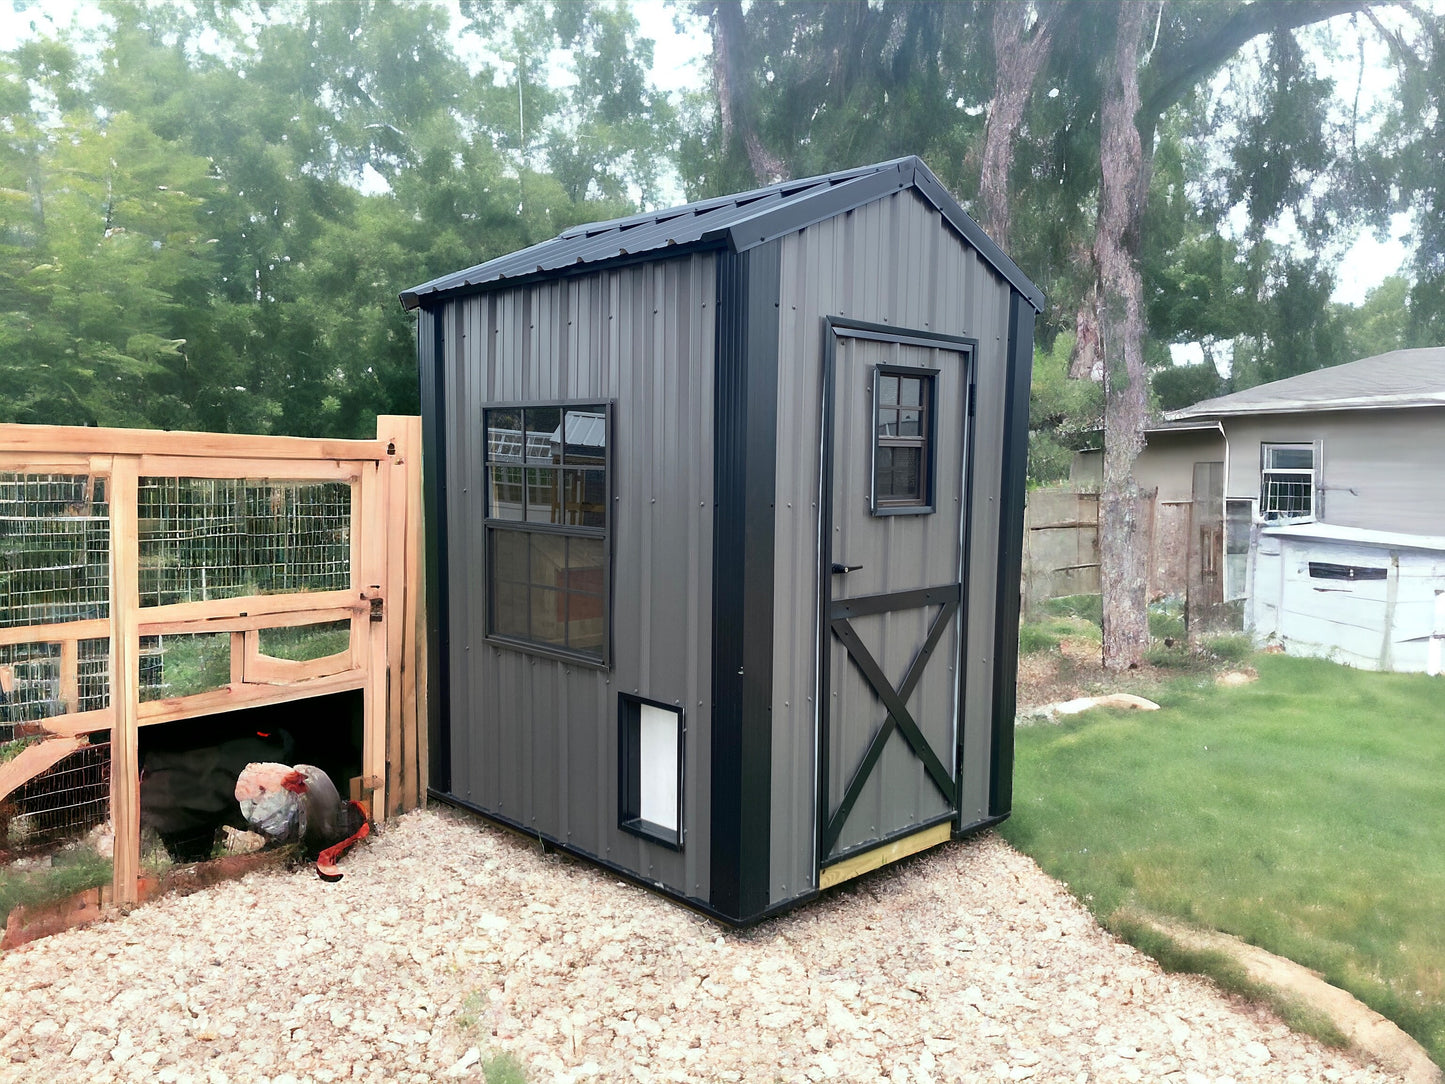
{"x":1075,"y":668}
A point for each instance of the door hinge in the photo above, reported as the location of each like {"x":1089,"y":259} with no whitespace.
{"x":972,"y":399}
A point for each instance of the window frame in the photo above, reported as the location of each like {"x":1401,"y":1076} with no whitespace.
{"x":492,"y":524}
{"x":1246,"y":509}
{"x":1267,"y":473}
{"x":926,"y":442}
{"x":629,"y":797}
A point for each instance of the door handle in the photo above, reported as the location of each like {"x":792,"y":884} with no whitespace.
{"x":840,"y":569}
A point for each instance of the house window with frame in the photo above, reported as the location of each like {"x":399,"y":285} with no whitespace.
{"x":903,"y":440}
{"x":1287,"y":483}
{"x":547,"y":519}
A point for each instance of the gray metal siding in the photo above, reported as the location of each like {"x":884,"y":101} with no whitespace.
{"x":533,"y":739}
{"x":1378,"y":469}
{"x":894,"y":262}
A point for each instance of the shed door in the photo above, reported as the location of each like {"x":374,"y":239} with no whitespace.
{"x":896,"y":409}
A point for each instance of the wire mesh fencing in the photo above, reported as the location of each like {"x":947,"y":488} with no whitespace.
{"x":211,"y":538}
{"x":199,"y":539}
{"x":33,"y":686}
{"x":60,"y":804}
{"x":54,"y":549}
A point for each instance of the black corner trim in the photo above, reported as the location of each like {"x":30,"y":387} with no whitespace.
{"x":1010,"y":552}
{"x":431,"y":346}
{"x":745,"y":453}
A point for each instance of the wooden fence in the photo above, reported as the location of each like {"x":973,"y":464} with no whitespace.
{"x":147,"y":504}
{"x":1061,"y":547}
{"x":1182,"y":537}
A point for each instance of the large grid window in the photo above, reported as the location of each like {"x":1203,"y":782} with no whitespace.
{"x":547,"y":519}
{"x":903,"y":440}
{"x":1287,"y":483}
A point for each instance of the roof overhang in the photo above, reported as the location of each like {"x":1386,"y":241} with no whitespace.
{"x":1404,"y":401}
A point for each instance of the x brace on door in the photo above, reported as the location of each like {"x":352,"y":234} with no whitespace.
{"x":895,"y":700}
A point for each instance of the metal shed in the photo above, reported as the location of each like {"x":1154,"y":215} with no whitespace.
{"x":724,"y":513}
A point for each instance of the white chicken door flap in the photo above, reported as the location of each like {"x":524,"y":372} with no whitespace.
{"x":658,"y":767}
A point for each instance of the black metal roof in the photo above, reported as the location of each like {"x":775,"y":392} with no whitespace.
{"x":740,"y":221}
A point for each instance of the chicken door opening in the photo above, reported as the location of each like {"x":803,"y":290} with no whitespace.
{"x":309,"y":751}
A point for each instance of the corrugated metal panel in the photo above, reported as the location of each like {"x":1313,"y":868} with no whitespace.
{"x":534,"y":740}
{"x":743,"y":221}
{"x":895,"y":262}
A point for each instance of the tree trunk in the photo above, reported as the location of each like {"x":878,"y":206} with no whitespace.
{"x":1123,"y":559}
{"x":1018,"y":57}
{"x":735,"y":99}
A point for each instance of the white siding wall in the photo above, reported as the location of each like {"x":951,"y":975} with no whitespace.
{"x":1374,"y":624}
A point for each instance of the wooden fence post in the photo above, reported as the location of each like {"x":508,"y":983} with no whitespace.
{"x":406,"y":718}
{"x":125,"y":676}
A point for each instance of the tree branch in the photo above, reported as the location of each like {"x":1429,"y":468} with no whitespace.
{"x":1196,"y":60}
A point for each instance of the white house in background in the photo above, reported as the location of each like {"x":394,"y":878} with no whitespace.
{"x":1334,"y":508}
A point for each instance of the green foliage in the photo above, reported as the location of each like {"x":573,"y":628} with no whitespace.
{"x":1064,"y":414}
{"x":1039,"y":636}
{"x":1298,"y":331}
{"x":1284,"y":120}
{"x":211,"y":229}
{"x":11,"y":749}
{"x":497,"y":1068}
{"x":1088,"y":607}
{"x":1178,"y":386}
{"x":1236,"y":648}
{"x":301,"y":643}
{"x":1381,"y":323}
{"x":1166,"y":619}
{"x":1302,"y":813}
{"x":503,"y":1069}
{"x":473,"y":1006}
{"x":1034,"y":638}
{"x":207,"y":211}
{"x":71,"y":871}
{"x":825,"y":86}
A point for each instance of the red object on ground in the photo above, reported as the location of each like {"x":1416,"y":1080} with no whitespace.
{"x":326,"y":861}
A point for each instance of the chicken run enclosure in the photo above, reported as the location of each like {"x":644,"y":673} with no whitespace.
{"x":164,"y":591}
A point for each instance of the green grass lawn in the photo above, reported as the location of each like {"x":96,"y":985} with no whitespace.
{"x":1304,"y":813}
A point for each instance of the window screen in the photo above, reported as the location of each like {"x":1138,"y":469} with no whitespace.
{"x":547,"y":524}
{"x":903,"y":437}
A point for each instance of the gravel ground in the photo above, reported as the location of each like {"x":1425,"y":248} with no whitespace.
{"x":450,"y":942}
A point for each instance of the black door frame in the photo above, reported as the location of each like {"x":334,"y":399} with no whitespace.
{"x":950,"y":597}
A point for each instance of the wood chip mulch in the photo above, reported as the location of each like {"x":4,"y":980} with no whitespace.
{"x":449,"y":942}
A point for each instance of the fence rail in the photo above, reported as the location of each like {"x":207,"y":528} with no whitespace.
{"x":120,"y":548}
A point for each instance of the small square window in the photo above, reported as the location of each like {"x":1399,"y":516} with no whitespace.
{"x":649,"y":761}
{"x":903,"y":438}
